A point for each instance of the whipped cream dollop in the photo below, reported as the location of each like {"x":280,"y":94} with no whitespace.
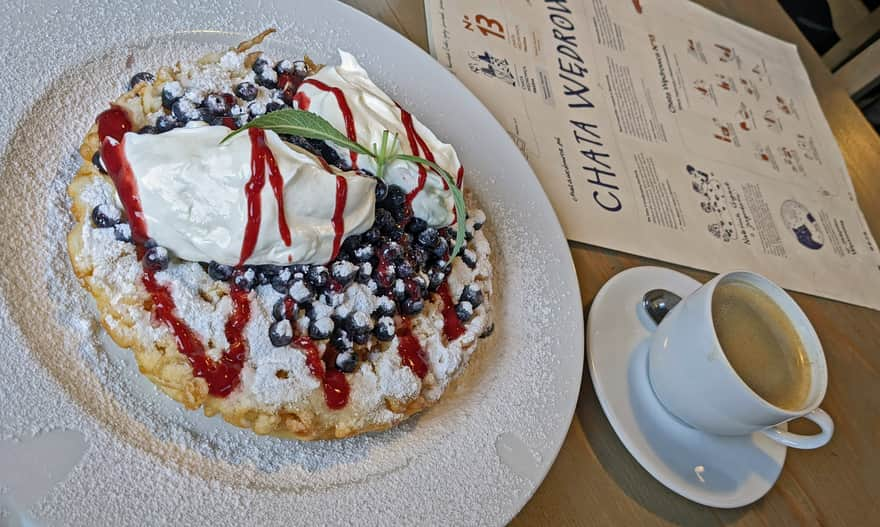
{"x":373,"y":112}
{"x":192,"y":192}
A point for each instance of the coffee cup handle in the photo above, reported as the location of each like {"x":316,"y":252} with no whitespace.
{"x":817,"y":416}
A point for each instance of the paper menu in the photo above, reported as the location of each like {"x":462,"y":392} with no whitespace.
{"x":662,"y":129}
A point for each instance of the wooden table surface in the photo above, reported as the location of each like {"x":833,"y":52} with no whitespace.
{"x":595,"y":481}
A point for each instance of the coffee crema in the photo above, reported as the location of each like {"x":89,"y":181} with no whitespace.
{"x":761,"y":343}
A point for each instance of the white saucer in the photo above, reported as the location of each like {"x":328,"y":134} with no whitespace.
{"x":712,"y":470}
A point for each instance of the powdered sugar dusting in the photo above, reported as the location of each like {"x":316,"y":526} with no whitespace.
{"x":64,"y":376}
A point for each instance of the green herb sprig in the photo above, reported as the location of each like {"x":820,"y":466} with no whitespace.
{"x":312,"y":126}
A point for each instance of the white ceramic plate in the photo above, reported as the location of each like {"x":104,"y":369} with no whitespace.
{"x":85,"y":440}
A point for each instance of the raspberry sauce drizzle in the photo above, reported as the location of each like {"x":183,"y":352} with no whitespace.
{"x":261,"y":157}
{"x":333,"y":381}
{"x":113,"y":122}
{"x":410,"y":350}
{"x":418,"y":147}
{"x":113,"y":157}
{"x":414,"y":144}
{"x":452,"y":326}
{"x":338,"y":214}
{"x":222,"y":376}
{"x":303,"y":103}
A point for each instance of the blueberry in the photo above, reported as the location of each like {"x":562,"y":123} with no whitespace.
{"x":385,"y":329}
{"x":435,"y":279}
{"x":363,"y":253}
{"x":184,"y":110}
{"x":399,"y":290}
{"x":267,"y":79}
{"x":395,"y":198}
{"x":321,"y":328}
{"x":274,"y":106}
{"x":373,"y":235}
{"x":156,"y":258}
{"x":385,"y":307}
{"x":346,"y":362}
{"x":360,"y":338}
{"x":421,"y":280}
{"x":350,"y":244}
{"x":260,"y":65}
{"x":256,"y":109}
{"x":479,"y":218}
{"x":246,"y":91}
{"x":148,"y":130}
{"x":171,"y":92}
{"x":300,"y":68}
{"x":412,"y":306}
{"x":473,"y":294}
{"x":332,"y":299}
{"x":416,"y":225}
{"x":391,"y":252}
{"x":279,"y":309}
{"x":384,"y":220}
{"x":401,"y":214}
{"x":405,"y":269}
{"x":428,"y":237}
{"x":281,"y":281}
{"x":440,"y":248}
{"x":122,"y":232}
{"x":265,"y":273}
{"x":339,"y":339}
{"x":138,"y":78}
{"x":464,"y":311}
{"x":381,"y":190}
{"x":318,"y":277}
{"x":220,"y":272}
{"x":165,"y":123}
{"x":385,"y":275}
{"x":105,"y":216}
{"x":414,"y":289}
{"x":150,"y":243}
{"x":280,"y":333}
{"x":284,"y":66}
{"x":442,"y":265}
{"x":343,"y":271}
{"x":365,"y":273}
{"x":358,"y":322}
{"x":326,"y":151}
{"x":469,"y":258}
{"x":301,"y":292}
{"x":206,"y":115}
{"x":417,"y":256}
{"x":216,"y":103}
{"x":96,"y":160}
{"x":246,"y":279}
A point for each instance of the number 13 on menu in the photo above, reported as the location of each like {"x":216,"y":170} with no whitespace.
{"x":487,"y":26}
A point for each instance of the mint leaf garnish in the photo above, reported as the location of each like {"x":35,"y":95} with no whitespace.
{"x":303,"y":124}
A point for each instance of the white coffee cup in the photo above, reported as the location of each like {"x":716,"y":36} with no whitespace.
{"x":694,"y":381}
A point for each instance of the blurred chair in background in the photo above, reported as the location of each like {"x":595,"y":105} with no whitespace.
{"x":846,"y":33}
